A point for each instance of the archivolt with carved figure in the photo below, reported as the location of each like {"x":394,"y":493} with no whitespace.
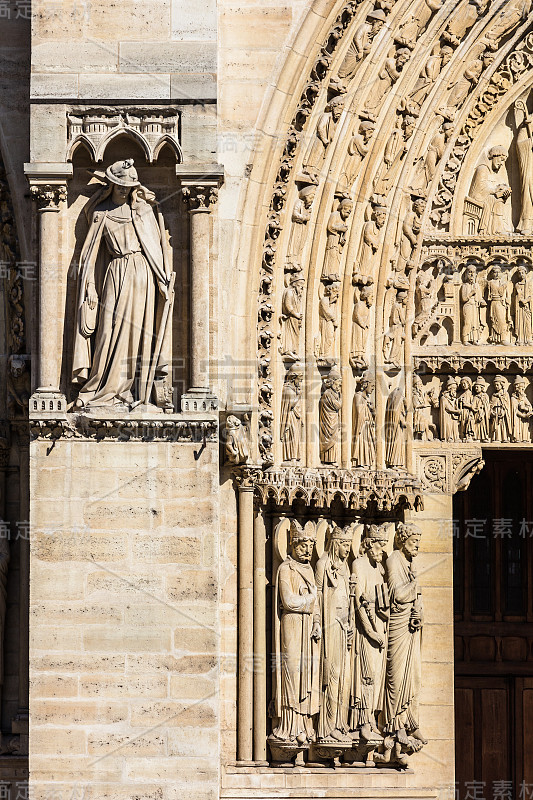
{"x":397,"y":258}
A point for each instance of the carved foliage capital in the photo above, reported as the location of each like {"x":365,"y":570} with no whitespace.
{"x":49,"y":196}
{"x":247,"y":478}
{"x":200,"y":197}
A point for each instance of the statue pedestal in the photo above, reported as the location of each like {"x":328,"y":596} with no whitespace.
{"x":199,"y":400}
{"x":287,"y":754}
{"x":47,"y":403}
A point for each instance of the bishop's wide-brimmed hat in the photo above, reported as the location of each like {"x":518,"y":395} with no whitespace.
{"x":123,"y":173}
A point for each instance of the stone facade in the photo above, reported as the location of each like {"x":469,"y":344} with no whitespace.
{"x":267,"y":296}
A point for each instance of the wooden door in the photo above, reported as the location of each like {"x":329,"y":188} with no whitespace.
{"x":493,"y":599}
{"x":483,"y":736}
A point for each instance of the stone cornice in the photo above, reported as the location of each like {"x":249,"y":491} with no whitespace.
{"x":160,"y":428}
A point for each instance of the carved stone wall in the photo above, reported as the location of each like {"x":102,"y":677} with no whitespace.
{"x":346,"y":215}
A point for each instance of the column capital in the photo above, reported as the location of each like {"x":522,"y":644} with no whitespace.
{"x":199,"y":197}
{"x":200,"y":184}
{"x":48,"y":196}
{"x":48,"y":183}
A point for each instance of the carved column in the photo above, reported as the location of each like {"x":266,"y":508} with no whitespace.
{"x":20,"y":724}
{"x":49,"y":190}
{"x":259,"y":620}
{"x":245,"y":617}
{"x":200,"y":194}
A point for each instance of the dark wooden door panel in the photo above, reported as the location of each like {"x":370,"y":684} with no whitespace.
{"x":484,"y":735}
{"x":464,"y":735}
{"x":495,"y":739}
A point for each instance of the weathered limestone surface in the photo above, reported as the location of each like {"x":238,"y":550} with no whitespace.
{"x":124,"y":626}
{"x":363,"y":168}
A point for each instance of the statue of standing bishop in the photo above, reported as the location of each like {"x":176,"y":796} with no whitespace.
{"x":399,"y":718}
{"x":371,"y":607}
{"x":332,"y":615}
{"x":296,"y":641}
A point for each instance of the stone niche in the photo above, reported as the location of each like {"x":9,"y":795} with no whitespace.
{"x":160,"y":178}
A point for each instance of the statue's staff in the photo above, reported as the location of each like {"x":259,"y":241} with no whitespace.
{"x":169,"y":305}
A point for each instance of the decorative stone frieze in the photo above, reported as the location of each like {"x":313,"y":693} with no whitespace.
{"x":96,"y":127}
{"x":356,"y":489}
{"x":165,"y":429}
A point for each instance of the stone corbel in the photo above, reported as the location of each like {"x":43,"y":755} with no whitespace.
{"x":450,"y":470}
{"x":199,"y":186}
{"x":48,"y":188}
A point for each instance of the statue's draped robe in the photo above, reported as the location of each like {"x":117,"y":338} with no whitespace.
{"x":368,"y":659}
{"x":297,"y":655}
{"x":481,"y":411}
{"x":449,"y":418}
{"x":524,"y":151}
{"x":333,"y":584}
{"x":466,"y":420}
{"x":403,"y":672}
{"x":300,"y":218}
{"x":127,"y":292}
{"x":520,"y":422}
{"x":498,"y":295}
{"x":500,"y":417}
{"x":360,"y":327}
{"x":523,"y":311}
{"x":291,"y":423}
{"x":471,"y":298}
{"x":494,"y":214}
{"x":364,"y":431}
{"x":290,"y":335}
{"x":330,"y":405}
{"x":421,"y":415}
{"x":395,"y":420}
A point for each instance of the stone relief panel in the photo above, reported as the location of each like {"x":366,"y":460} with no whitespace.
{"x":473,"y":408}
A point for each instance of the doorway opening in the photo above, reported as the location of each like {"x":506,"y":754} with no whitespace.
{"x":493,"y":606}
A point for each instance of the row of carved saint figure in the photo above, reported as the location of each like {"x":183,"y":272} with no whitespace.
{"x":461,"y":411}
{"x":467,"y":413}
{"x":347,"y":647}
